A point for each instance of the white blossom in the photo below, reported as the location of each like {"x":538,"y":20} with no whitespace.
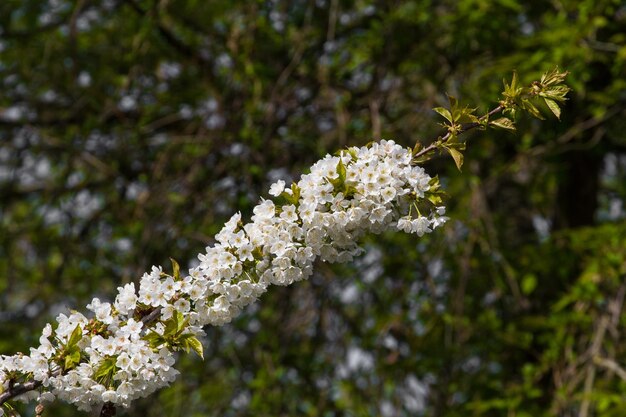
{"x":277,"y":188}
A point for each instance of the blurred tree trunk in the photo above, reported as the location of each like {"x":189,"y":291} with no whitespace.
{"x":578,"y":191}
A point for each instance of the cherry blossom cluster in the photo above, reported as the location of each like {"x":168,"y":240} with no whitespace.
{"x":126,"y":349}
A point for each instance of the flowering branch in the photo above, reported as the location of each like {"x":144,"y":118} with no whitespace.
{"x":126,"y":350}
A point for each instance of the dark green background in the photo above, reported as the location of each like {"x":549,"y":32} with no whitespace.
{"x":131,"y":129}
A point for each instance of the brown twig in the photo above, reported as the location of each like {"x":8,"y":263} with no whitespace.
{"x":18,"y":389}
{"x":612,"y":316}
{"x":611,"y":365}
{"x":596,"y":344}
{"x":151,"y":317}
{"x":464,"y":128}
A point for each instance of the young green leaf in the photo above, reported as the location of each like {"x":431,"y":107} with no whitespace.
{"x":75,"y":337}
{"x":171,"y":326}
{"x":445,"y":113}
{"x":341,"y":171}
{"x":553,"y":76}
{"x":72,"y":359}
{"x":349,"y":191}
{"x":435,"y":197}
{"x":554,"y":107}
{"x":512,"y":91}
{"x":514,"y":80}
{"x":196,"y":345}
{"x":154,"y":339}
{"x":556,"y":93}
{"x":528,"y":106}
{"x":106,"y":370}
{"x":457,"y":156}
{"x":466,"y":115}
{"x":418,"y":146}
{"x":187,"y":342}
{"x":181,"y":323}
{"x":503,"y":123}
{"x":176,"y":269}
{"x":454,"y":103}
{"x":295,"y":192}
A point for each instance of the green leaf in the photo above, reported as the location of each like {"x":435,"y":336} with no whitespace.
{"x":511,"y":111}
{"x":503,"y":123}
{"x":339,"y":182}
{"x":171,"y":326}
{"x":189,"y":341}
{"x":341,"y":171}
{"x":72,"y":359}
{"x":295,"y":190}
{"x":528,"y":106}
{"x":454,"y":142}
{"x":466,"y":115}
{"x":68,"y":363}
{"x":454,"y":103}
{"x":445,"y":113}
{"x":514,"y":80}
{"x":292,"y":197}
{"x":457,"y":156}
{"x":553,"y":77}
{"x":196,"y":345}
{"x":176,"y":269}
{"x":154,"y":339}
{"x":556,"y":93}
{"x":512,"y":91}
{"x":181,"y":323}
{"x":75,"y":337}
{"x":349,"y":191}
{"x":107,"y":369}
{"x":416,"y":148}
{"x":174,"y":325}
{"x":461,"y":115}
{"x":435,"y":198}
{"x":554,"y":107}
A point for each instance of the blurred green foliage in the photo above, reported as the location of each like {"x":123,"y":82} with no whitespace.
{"x":131,"y":129}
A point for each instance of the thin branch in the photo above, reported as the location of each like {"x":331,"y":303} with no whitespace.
{"x":611,"y":365}
{"x":332,"y":20}
{"x":18,"y":389}
{"x":464,"y":128}
{"x":596,"y":344}
{"x":151,"y":317}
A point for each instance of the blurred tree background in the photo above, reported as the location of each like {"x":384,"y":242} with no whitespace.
{"x":130,"y":130}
